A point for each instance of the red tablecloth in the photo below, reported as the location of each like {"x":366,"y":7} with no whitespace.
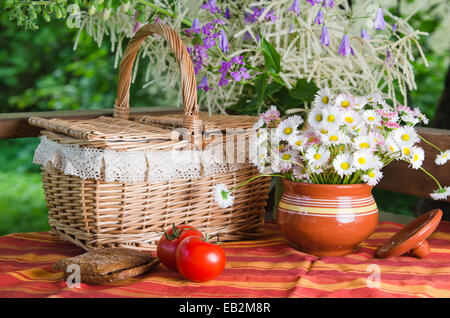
{"x":266,"y":268}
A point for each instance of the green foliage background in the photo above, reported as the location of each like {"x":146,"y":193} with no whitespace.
{"x":40,"y":71}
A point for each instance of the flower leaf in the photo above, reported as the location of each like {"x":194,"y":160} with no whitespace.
{"x":304,"y":90}
{"x":272,"y":58}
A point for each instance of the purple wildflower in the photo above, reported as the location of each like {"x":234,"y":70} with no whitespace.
{"x":319,"y":18}
{"x":208,"y":42}
{"x":195,"y":28}
{"x":379,"y":23}
{"x":271,"y":114}
{"x":271,"y":16}
{"x":329,"y":3}
{"x":223,"y":80}
{"x":257,"y":12}
{"x":211,"y":6}
{"x":388,"y":58}
{"x":324,"y":37}
{"x":227,"y":14}
{"x":137,"y":24}
{"x":223,"y":42}
{"x":248,"y":37}
{"x":238,"y":60}
{"x":295,"y":7}
{"x":241,"y":74}
{"x":204,"y":84}
{"x":344,"y":47}
{"x":394,"y":27}
{"x":365,"y":35}
{"x":207,"y":28}
{"x":225,"y":67}
{"x":313,"y":2}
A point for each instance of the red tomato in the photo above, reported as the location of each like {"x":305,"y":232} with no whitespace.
{"x":168,"y":243}
{"x":200,"y":261}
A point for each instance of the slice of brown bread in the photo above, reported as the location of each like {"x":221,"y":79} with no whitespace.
{"x":105,"y":265}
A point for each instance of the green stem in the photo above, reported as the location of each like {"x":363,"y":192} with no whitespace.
{"x":185,"y":21}
{"x":256,"y":177}
{"x":432,"y":145}
{"x":429,"y":174}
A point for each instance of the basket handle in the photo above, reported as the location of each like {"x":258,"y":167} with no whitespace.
{"x":188,"y":80}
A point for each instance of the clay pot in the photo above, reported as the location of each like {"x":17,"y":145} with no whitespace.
{"x":327,"y":219}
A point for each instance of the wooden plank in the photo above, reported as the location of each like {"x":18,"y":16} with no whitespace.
{"x":398,"y":177}
{"x":15,"y":125}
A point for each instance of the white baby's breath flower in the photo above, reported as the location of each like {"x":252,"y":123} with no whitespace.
{"x":323,"y":98}
{"x":440,"y":194}
{"x":343,"y":164}
{"x":443,"y":157}
{"x":416,"y":157}
{"x":363,"y":159}
{"x":372,"y":177}
{"x":223,"y":196}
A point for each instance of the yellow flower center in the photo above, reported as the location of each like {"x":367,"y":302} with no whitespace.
{"x":364,"y":145}
{"x":286,"y":156}
{"x":371,"y":174}
{"x":345,"y":103}
{"x":345,"y":165}
{"x":444,"y":156}
{"x":334,"y":138}
{"x":318,"y":117}
{"x":416,"y":157}
{"x":323,"y":131}
{"x":362,"y":161}
{"x":330,"y":118}
{"x":392,"y":148}
{"x":317,"y":156}
{"x":349,"y":119}
{"x":371,"y":118}
{"x":298,"y":143}
{"x":406,"y":151}
{"x":288,"y":130}
{"x":325,"y":99}
{"x":405,"y":137}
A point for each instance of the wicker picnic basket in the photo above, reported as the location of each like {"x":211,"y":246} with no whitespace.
{"x":116,"y":181}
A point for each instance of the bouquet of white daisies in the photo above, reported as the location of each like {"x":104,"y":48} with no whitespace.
{"x":345,"y":139}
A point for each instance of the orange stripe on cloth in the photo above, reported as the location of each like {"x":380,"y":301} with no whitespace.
{"x":265,"y":267}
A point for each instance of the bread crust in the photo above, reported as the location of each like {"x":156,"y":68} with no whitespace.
{"x":106,"y":265}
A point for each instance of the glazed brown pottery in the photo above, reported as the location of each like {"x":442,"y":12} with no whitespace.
{"x":412,"y":239}
{"x":327,"y":219}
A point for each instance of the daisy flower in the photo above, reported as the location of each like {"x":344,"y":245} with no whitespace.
{"x":335,"y":137}
{"x":405,"y":136}
{"x":298,"y":142}
{"x":271,"y":114}
{"x":287,"y":128}
{"x":286,"y":159}
{"x":443,"y":157}
{"x":372,"y":177}
{"x":374,"y":98}
{"x":323,"y":98}
{"x":316,"y":117}
{"x":344,"y":101}
{"x":261,"y":135}
{"x":363,"y":159}
{"x":406,"y":151}
{"x":359,"y":102}
{"x":313,"y":138}
{"x":390,"y":146}
{"x":259,"y":123}
{"x":421,"y":116}
{"x":317,"y":155}
{"x":332,"y":118}
{"x":300,"y":172}
{"x":343,"y":164}
{"x":416,"y":157}
{"x":410,"y":119}
{"x":223,"y":196}
{"x":440,"y":194}
{"x":350,"y":117}
{"x":364,"y":142}
{"x":371,"y":118}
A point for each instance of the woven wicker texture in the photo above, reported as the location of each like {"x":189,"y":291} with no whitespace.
{"x":95,"y":213}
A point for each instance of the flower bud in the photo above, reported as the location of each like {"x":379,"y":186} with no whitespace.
{"x":92,"y":10}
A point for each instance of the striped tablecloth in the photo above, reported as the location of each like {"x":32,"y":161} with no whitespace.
{"x":265,"y":268}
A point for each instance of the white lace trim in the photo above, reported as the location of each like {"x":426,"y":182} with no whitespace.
{"x":133,"y":166}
